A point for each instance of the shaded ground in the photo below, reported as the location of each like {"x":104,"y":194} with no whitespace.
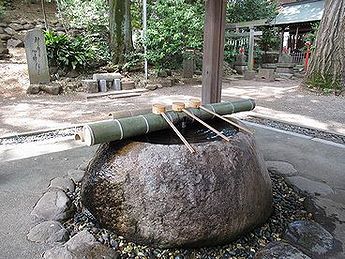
{"x":282,"y":100}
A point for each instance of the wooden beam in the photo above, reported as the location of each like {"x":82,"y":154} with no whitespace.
{"x":213,"y":51}
{"x":255,"y":23}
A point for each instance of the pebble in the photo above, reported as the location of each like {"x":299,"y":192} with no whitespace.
{"x":287,"y":207}
{"x":297,"y":129}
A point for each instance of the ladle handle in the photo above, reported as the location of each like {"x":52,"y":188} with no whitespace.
{"x":225,"y":119}
{"x":206,"y":125}
{"x":191,"y":149}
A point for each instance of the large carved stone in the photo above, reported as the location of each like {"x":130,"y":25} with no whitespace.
{"x":163,"y":195}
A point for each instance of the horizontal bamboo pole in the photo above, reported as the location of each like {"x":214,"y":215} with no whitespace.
{"x":118,"y":129}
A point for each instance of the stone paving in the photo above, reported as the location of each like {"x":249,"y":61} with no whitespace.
{"x":318,"y":166}
{"x":282,"y":100}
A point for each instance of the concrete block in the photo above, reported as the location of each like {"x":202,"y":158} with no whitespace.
{"x":110,"y":77}
{"x":266,"y":74}
{"x":249,"y":75}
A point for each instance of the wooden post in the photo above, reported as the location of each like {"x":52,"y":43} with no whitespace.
{"x":213,"y":51}
{"x":251,"y":49}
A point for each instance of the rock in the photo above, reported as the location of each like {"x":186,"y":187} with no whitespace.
{"x":82,"y":245}
{"x":83,"y":166}
{"x":266,"y":74}
{"x":14,"y":43}
{"x":249,"y":75}
{"x":90,"y":86}
{"x":128,"y":85}
{"x":80,"y":239}
{"x":48,"y":232}
{"x":33,"y":89}
{"x":1,"y":30}
{"x":151,"y":87}
{"x":280,"y":250}
{"x":162,"y":73}
{"x":166,"y":82}
{"x":5,"y":36}
{"x":311,"y":238}
{"x":107,"y":76}
{"x":72,"y":73}
{"x":28,"y":26}
{"x":53,"y":205}
{"x":163,"y":195}
{"x":310,"y":186}
{"x":281,"y":167}
{"x":16,"y":26}
{"x":76,"y":175}
{"x":62,"y":183}
{"x":53,"y":89}
{"x":9,"y":31}
{"x":4,"y":50}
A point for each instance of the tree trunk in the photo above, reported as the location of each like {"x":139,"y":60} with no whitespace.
{"x":327,"y":67}
{"x":44,"y":14}
{"x":120,"y":30}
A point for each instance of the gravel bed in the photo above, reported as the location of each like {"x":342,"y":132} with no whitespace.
{"x":287,"y":207}
{"x":298,"y":129}
{"x":54,"y":134}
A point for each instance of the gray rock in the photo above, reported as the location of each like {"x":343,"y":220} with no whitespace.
{"x":14,"y":43}
{"x":280,"y":250}
{"x":16,"y":26}
{"x":311,"y":238}
{"x":80,"y":239}
{"x":107,"y":76}
{"x":5,"y":36}
{"x":90,"y":86}
{"x":128,"y":85}
{"x":151,"y":87}
{"x":309,"y":186}
{"x":9,"y":31}
{"x":33,"y":89}
{"x":82,"y":245}
{"x":28,"y":26}
{"x":62,"y":183}
{"x":83,"y":166}
{"x":76,"y":175}
{"x":166,"y":82}
{"x":53,"y":205}
{"x":53,"y":89}
{"x":249,"y":75}
{"x":281,"y":167}
{"x":48,"y":232}
{"x":166,"y":196}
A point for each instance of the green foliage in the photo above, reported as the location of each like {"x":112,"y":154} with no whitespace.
{"x":249,"y":10}
{"x":173,"y":27}
{"x":270,"y":39}
{"x":67,"y":52}
{"x":326,"y":83}
{"x":92,"y":17}
{"x":2,"y":9}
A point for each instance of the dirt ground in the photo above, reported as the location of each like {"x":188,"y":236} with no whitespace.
{"x":283,"y":100}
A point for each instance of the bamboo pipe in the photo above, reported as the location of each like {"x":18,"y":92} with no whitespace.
{"x":129,"y":113}
{"x":177,"y":106}
{"x":122,"y":128}
{"x":160,"y":109}
{"x":196,"y":103}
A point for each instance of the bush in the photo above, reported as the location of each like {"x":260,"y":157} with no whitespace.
{"x":173,"y":27}
{"x":66,"y":52}
{"x":92,"y":17}
{"x":327,"y":83}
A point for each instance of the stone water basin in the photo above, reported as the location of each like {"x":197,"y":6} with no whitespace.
{"x":153,"y":191}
